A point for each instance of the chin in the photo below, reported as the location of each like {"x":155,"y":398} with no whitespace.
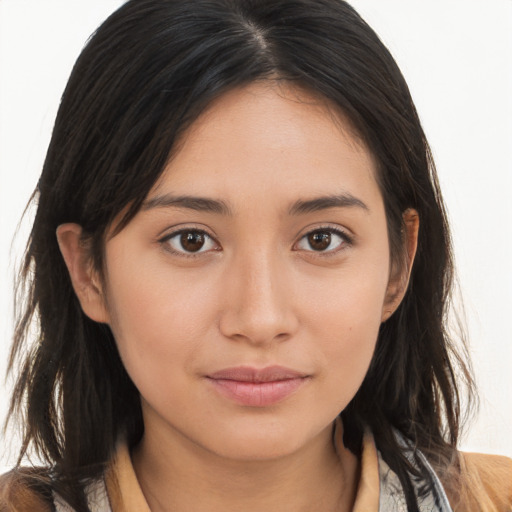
{"x":257,"y":442}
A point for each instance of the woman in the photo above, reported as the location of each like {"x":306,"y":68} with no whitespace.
{"x":240,"y":264}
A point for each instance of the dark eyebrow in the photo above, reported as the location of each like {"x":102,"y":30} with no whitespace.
{"x":201,"y":204}
{"x":322,"y":203}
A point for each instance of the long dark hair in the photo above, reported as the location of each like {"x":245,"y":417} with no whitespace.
{"x":142,"y":79}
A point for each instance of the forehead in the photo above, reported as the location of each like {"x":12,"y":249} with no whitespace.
{"x":273,"y":137}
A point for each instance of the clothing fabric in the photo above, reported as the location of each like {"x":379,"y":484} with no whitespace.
{"x":379,"y":490}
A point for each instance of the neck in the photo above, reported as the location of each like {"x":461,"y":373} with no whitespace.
{"x":178,"y":475}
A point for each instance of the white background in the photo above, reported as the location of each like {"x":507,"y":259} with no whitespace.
{"x":457,"y":58}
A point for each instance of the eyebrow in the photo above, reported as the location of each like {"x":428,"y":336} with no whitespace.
{"x":300,"y":207}
{"x":344,"y":200}
{"x":200,"y":204}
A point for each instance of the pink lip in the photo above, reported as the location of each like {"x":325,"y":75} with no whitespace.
{"x":257,"y":388}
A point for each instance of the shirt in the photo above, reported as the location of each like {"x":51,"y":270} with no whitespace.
{"x":379,"y":489}
{"x":485,"y":486}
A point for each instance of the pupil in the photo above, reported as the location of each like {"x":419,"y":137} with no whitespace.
{"x":319,"y":241}
{"x":192,"y":241}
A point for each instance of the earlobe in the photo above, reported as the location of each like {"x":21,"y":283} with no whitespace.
{"x":398,"y":284}
{"x":84,"y":278}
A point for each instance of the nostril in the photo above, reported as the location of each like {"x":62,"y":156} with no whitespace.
{"x":257,"y":329}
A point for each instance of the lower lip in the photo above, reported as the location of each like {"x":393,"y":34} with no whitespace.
{"x":257,"y":394}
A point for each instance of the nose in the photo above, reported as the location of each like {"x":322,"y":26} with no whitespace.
{"x":258,"y":301}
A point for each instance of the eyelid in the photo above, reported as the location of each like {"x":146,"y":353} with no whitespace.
{"x":183,"y":226}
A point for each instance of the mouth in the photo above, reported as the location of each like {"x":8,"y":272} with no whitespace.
{"x":257,"y":387}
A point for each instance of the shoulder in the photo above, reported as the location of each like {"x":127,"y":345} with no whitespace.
{"x":484,"y":483}
{"x":21,"y":490}
{"x":491,"y":475}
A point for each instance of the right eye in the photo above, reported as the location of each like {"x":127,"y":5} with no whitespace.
{"x":189,"y":242}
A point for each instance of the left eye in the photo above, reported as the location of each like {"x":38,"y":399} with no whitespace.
{"x":324,"y":240}
{"x":190,"y":241}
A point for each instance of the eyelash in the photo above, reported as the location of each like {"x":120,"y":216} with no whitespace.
{"x":347,"y":241}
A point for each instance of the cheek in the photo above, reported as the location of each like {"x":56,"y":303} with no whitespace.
{"x":348,"y":299}
{"x":157,"y":317}
{"x":344,"y":317}
{"x":349,"y":341}
{"x":345,"y":359}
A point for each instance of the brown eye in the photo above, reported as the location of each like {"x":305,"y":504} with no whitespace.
{"x":319,"y":240}
{"x":192,"y":241}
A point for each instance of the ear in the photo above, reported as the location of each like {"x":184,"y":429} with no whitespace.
{"x":84,"y":278}
{"x":398,"y":283}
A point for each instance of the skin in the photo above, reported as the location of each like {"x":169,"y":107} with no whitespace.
{"x":256,"y":294}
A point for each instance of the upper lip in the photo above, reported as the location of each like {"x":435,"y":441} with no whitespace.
{"x":249,"y":374}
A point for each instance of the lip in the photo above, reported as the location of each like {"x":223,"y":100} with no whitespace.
{"x":257,"y":387}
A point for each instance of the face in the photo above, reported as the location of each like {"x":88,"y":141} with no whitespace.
{"x":246,"y":296}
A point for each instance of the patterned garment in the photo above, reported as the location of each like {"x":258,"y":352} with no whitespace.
{"x":392,"y":498}
{"x":97,"y":499}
